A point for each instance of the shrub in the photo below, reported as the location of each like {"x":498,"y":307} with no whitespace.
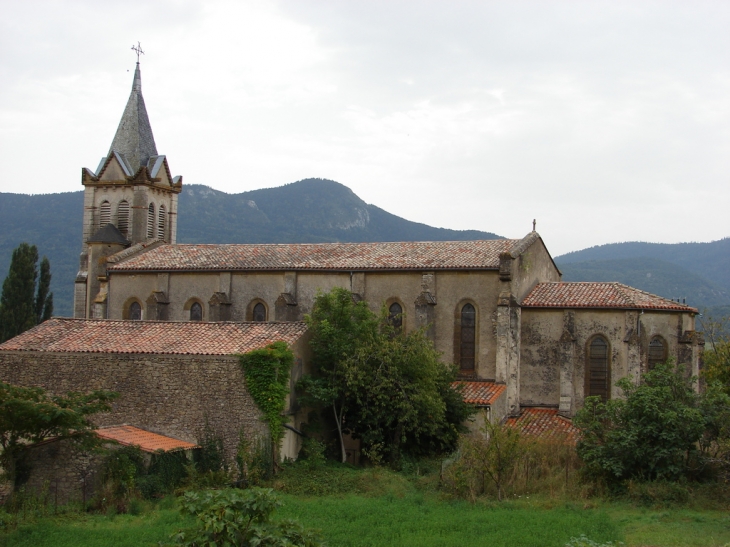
{"x":239,"y":518}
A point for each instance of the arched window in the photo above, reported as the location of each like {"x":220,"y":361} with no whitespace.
{"x":151,"y":221}
{"x":598,"y":371}
{"x":259,"y":312}
{"x":467,"y":342}
{"x":395,"y":316}
{"x":105,"y":214}
{"x":135,"y":311}
{"x":161,"y":223}
{"x":123,"y":217}
{"x":196,"y":312}
{"x":657,"y":351}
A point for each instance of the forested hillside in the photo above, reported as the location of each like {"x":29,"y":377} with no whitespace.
{"x":708,"y":260}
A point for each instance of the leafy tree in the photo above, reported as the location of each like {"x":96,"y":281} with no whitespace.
{"x":239,"y":518}
{"x":389,"y":389}
{"x":339,"y":326}
{"x":652,"y":433}
{"x":29,"y":415}
{"x":21,"y":306}
{"x":399,"y":392}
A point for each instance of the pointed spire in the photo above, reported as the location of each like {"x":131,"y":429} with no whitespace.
{"x":134,"y":139}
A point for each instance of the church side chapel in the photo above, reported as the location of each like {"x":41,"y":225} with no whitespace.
{"x":522,"y":339}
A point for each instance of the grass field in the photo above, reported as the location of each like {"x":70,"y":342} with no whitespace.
{"x":359,"y":508}
{"x":413,"y":520}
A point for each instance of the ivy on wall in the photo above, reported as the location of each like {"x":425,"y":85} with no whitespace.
{"x":267,"y":379}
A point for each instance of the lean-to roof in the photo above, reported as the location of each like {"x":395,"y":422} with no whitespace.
{"x":152,"y":337}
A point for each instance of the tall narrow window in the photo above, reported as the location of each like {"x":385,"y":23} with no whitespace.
{"x":105,"y":214}
{"x":467,"y":346}
{"x":161,"y":223}
{"x":259,"y":312}
{"x":196,"y":312}
{"x":598,"y":374}
{"x":151,"y":221}
{"x":135,"y":311}
{"x":657,"y":352}
{"x":395,"y":316}
{"x":123,"y":217}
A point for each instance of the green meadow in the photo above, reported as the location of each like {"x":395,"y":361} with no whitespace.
{"x":359,"y":508}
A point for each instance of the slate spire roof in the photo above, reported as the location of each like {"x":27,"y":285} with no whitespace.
{"x":134,"y":139}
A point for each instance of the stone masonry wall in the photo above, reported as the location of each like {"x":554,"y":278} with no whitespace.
{"x":172,"y":395}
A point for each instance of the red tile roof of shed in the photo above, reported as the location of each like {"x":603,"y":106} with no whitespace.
{"x":409,"y":255}
{"x":129,"y":435}
{"x":479,"y":393}
{"x":544,"y":422}
{"x":597,"y":295}
{"x":192,"y":338}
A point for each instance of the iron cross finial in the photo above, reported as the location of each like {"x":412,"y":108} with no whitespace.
{"x":138,"y":50}
{"x":534,"y":223}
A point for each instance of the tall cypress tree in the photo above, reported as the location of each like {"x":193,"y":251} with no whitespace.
{"x":21,"y":307}
{"x":44,"y":298}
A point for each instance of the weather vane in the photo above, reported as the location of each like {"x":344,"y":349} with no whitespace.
{"x":534,"y":223}
{"x":138,"y":50}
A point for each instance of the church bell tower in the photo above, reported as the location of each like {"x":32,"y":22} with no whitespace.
{"x":130,"y":201}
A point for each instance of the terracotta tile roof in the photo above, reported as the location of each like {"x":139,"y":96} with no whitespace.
{"x":411,"y":255}
{"x":597,"y":295}
{"x":545,"y":423}
{"x":192,"y":338}
{"x":480,"y":393}
{"x":129,"y":435}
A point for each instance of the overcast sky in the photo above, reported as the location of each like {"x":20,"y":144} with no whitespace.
{"x":605,"y":121}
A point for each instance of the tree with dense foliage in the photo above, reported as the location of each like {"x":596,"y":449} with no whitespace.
{"x":22,"y":305}
{"x":654,"y":432}
{"x":339,"y":326}
{"x":239,"y":518}
{"x":29,"y":415}
{"x":388,"y":388}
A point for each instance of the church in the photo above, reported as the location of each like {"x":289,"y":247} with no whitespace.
{"x":521,"y":338}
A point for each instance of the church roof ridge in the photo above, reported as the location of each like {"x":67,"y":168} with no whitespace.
{"x":134,"y":139}
{"x":597,"y":294}
{"x":392,"y":255}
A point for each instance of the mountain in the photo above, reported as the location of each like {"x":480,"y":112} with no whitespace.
{"x":308,"y":211}
{"x":709,"y":260}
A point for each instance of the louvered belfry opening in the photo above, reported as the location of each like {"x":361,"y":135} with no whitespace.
{"x":657,"y":352}
{"x":598,"y":377}
{"x":123,"y":217}
{"x":105,"y":214}
{"x":395,"y":316}
{"x":259,"y":312}
{"x":151,"y":221}
{"x":161,"y":223}
{"x":196,"y":312}
{"x":467,"y":351}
